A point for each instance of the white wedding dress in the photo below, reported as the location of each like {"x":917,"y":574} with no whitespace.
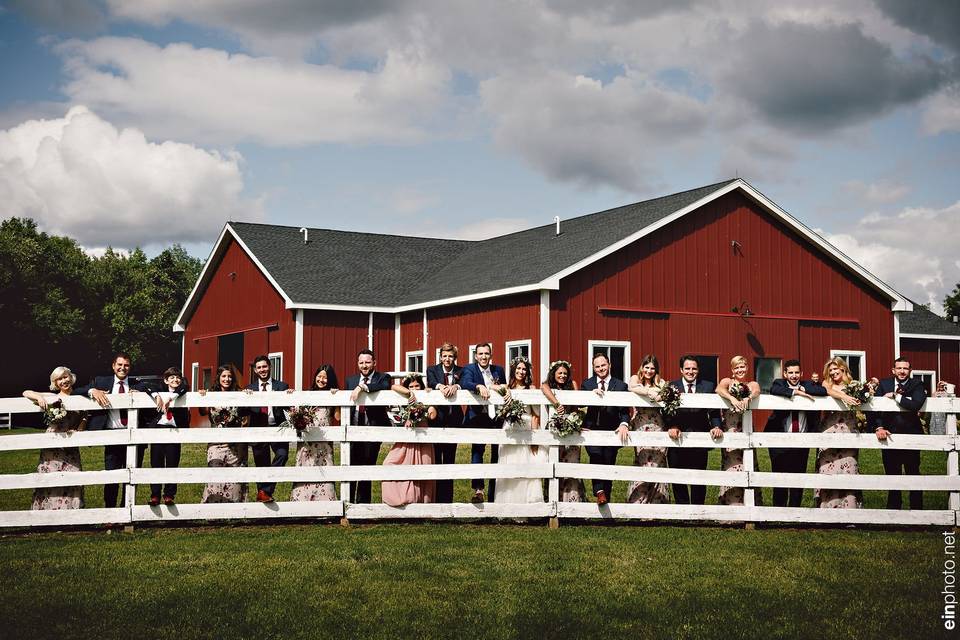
{"x":520,"y":490}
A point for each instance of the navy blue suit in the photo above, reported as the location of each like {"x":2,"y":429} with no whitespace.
{"x":604,"y":418}
{"x":899,"y":461}
{"x":790,"y":460}
{"x":447,"y":416}
{"x":365,"y":453}
{"x":166,"y":455}
{"x":691,"y":457}
{"x":114,"y":455}
{"x":478,"y":416}
{"x":261,"y":450}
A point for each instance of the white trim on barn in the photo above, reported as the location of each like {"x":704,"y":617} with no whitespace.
{"x":927,"y":336}
{"x":298,"y":351}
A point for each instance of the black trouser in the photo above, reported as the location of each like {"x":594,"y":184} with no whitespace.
{"x":788,"y":461}
{"x":363,"y":453}
{"x":261,"y":457}
{"x":164,"y":456}
{"x":895,"y":460}
{"x":684,"y":458}
{"x":445,"y":454}
{"x":115,"y":457}
{"x":483,"y":421}
{"x":603,"y":455}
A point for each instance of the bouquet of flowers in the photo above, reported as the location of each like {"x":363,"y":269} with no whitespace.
{"x":739,"y":390}
{"x":224,"y":417}
{"x":300,"y":418}
{"x":512,"y":411}
{"x":567,"y":424}
{"x":412,"y":414}
{"x":669,"y":397}
{"x":858,"y":391}
{"x":54,"y":414}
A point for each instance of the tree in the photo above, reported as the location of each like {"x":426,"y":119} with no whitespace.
{"x":951,"y":304}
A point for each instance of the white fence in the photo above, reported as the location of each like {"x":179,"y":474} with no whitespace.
{"x":552,"y":471}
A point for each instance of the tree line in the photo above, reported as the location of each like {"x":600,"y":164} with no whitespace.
{"x":60,"y":305}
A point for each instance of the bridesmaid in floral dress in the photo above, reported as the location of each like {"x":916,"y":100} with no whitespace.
{"x":836,"y":374}
{"x":318,"y":454}
{"x":646,"y":382}
{"x":225,"y":455}
{"x":560,"y":378}
{"x":738,"y":391}
{"x":398,"y":493}
{"x":64,"y":459}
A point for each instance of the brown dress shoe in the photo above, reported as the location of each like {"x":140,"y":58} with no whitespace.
{"x":478,"y":496}
{"x":601,"y":497}
{"x":263,"y":496}
{"x":168,"y":500}
{"x":154,"y":501}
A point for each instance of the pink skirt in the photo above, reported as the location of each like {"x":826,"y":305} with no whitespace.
{"x":397,"y":493}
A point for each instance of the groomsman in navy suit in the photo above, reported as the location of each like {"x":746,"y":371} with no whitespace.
{"x":114,"y":455}
{"x":910,"y":394}
{"x":445,"y":378}
{"x":604,"y":418}
{"x":691,"y":420}
{"x":366,"y":380}
{"x":481,"y":377}
{"x":792,"y":421}
{"x":267,"y":417}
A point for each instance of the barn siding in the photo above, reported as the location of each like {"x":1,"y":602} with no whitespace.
{"x":922,"y":354}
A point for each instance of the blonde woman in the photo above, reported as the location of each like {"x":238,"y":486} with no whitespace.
{"x":56,"y":460}
{"x":738,"y":391}
{"x":836,"y":374}
{"x":647,"y":383}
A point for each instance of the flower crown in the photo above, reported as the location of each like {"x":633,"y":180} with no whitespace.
{"x":518,"y":360}
{"x":558,"y":363}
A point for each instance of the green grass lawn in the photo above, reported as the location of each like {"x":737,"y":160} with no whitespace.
{"x":455,"y":580}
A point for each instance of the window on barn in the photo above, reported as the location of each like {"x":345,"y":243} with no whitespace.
{"x":708,"y":365}
{"x":517,"y":349}
{"x":617,"y":352}
{"x":276,"y":365}
{"x":856,"y":360}
{"x":194,"y":376}
{"x":415,"y":361}
{"x":207,"y":377}
{"x":766,"y":370}
{"x":929,"y":379}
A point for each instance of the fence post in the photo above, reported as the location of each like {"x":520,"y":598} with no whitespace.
{"x":345,"y":462}
{"x":749,"y":495}
{"x":130,"y":490}
{"x":953,"y":464}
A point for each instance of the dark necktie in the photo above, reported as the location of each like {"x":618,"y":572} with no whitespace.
{"x":899,"y":388}
{"x":362,"y":410}
{"x":603,"y":385}
{"x":263,"y":387}
{"x":123,"y":412}
{"x":794,"y":422}
{"x":689,"y":387}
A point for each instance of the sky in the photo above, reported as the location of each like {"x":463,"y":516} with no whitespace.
{"x":129,"y":123}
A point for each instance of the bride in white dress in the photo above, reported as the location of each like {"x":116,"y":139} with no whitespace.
{"x":521,"y":490}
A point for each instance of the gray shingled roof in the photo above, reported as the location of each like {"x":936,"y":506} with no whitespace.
{"x":369,"y":269}
{"x":924,"y":321}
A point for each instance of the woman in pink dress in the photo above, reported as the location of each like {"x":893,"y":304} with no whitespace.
{"x":738,"y":391}
{"x":398,"y":493}
{"x":836,"y":374}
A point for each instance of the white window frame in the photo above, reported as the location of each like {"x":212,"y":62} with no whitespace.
{"x":517,"y":343}
{"x":276,"y":371}
{"x":593,"y":344}
{"x":414,"y":354}
{"x":194,"y":375}
{"x":436,"y":356}
{"x":917,"y":373}
{"x":844,"y":353}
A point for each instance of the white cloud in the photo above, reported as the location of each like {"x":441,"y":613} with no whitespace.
{"x":82,"y":177}
{"x":915,"y":250}
{"x":876,"y":193}
{"x":214,"y":97}
{"x":941,"y":114}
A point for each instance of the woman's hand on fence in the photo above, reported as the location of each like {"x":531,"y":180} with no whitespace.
{"x":716,"y":433}
{"x":674,"y":433}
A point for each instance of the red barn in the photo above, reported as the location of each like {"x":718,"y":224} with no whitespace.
{"x":931,"y":344}
{"x":715,"y":271}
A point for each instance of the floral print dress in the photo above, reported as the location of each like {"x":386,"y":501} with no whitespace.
{"x":315,"y":454}
{"x":731,"y":459}
{"x":648,"y":419}
{"x":225,"y":455}
{"x":57,"y":460}
{"x":839,"y":461}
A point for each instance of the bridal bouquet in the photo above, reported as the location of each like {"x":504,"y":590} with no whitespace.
{"x":412,"y":414}
{"x":669,"y":397}
{"x":300,"y":418}
{"x":568,"y":423}
{"x":54,"y":414}
{"x":739,"y":390}
{"x":512,"y":411}
{"x":224,"y":417}
{"x":858,"y":391}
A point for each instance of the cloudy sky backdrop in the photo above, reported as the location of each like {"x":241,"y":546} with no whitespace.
{"x":147,"y":122}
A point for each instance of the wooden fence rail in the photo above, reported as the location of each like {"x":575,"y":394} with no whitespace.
{"x":551,"y":472}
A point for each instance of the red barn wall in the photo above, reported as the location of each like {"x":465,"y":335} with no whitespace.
{"x":922,"y":354}
{"x":498,"y":321}
{"x":411,"y":336}
{"x":334,"y":337}
{"x":383,"y":340}
{"x":690,"y":266}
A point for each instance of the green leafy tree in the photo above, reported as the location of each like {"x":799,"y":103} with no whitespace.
{"x":951,"y":304}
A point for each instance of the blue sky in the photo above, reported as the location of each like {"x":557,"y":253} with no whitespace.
{"x":126,"y":123}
